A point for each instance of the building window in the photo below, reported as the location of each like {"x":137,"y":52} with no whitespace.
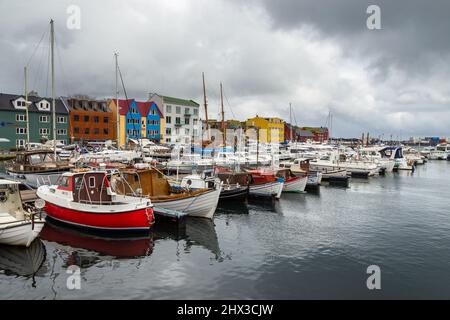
{"x":21,"y":117}
{"x":21,"y":130}
{"x":61,"y":132}
{"x":186,"y":131}
{"x":177,"y":120}
{"x":186,"y":120}
{"x":178,"y":110}
{"x":44,"y":119}
{"x":96,"y":119}
{"x":43,"y":131}
{"x":61,"y":119}
{"x":177,"y":131}
{"x":187,"y":111}
{"x":76,"y":118}
{"x":195,"y":121}
{"x":96,"y":130}
{"x":76,"y":130}
{"x":105,"y":119}
{"x":143,"y":122}
{"x":196,"y":111}
{"x":86,"y":130}
{"x":168,"y":120}
{"x":168,"y":131}
{"x":129,"y":131}
{"x":20,"y":143}
{"x":169,"y":108}
{"x":105,"y":131}
{"x":86,"y":118}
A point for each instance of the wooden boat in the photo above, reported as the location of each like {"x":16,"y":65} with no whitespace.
{"x":85,"y":199}
{"x":264,"y":183}
{"x":235,"y":185}
{"x":292,"y":183}
{"x":152,"y":184}
{"x":18,"y":226}
{"x":38,"y":167}
{"x":300,"y":167}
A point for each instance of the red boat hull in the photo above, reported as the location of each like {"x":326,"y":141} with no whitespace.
{"x":134,"y":220}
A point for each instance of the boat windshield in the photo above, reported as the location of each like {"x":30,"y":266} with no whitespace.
{"x":35,"y":159}
{"x":49,"y":157}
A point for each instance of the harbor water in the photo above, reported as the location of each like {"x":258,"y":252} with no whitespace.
{"x":304,"y":246}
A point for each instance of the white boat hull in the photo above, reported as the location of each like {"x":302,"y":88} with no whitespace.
{"x":297,"y":185}
{"x":20,"y":233}
{"x":203,"y":205}
{"x":272,"y":189}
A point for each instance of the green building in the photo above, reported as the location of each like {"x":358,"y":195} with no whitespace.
{"x":13,"y":122}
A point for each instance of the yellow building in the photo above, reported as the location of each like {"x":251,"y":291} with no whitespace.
{"x":270,"y":129}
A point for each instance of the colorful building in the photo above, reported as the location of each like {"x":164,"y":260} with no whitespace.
{"x":151,"y":119}
{"x":89,"y":120}
{"x":13,"y":120}
{"x":270,"y":129}
{"x":319,"y":134}
{"x":138,"y":120}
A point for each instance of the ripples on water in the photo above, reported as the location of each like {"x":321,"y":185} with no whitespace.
{"x":304,"y":246}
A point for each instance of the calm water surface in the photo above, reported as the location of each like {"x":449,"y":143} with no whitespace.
{"x":302,"y":247}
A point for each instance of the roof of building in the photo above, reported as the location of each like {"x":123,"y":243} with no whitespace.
{"x":124,"y":106}
{"x":81,"y":104}
{"x":144,"y":107}
{"x":183,"y":102}
{"x":6,"y":103}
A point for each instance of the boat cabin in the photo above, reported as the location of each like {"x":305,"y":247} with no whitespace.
{"x":10,"y":201}
{"x":241,"y":178}
{"x":86,"y":186}
{"x":392,"y":153}
{"x":36,"y":161}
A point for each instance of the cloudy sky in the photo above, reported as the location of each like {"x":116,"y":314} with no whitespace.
{"x":318,"y":55}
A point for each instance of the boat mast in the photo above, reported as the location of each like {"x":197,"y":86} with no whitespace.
{"x":26,"y":110}
{"x":117,"y":103}
{"x":224,"y":135}
{"x":52,"y":32}
{"x":206,"y":105}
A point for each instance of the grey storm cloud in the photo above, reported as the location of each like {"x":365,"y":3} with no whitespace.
{"x":317,"y":55}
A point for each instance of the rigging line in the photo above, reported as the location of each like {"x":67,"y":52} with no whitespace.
{"x":39,"y":69}
{"x":36,"y":47}
{"x":231,"y":109}
{"x":64,"y":78}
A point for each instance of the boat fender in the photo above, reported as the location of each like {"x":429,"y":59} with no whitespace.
{"x":280,"y":180}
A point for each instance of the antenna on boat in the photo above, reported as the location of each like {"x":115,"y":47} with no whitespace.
{"x":52,"y":37}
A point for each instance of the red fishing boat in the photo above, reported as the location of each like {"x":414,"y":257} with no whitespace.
{"x":85,"y":199}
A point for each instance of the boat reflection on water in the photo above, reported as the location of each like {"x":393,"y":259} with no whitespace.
{"x":195,"y":232}
{"x":232,"y":207}
{"x":119,"y":247}
{"x":265,"y":204}
{"x":23,"y":261}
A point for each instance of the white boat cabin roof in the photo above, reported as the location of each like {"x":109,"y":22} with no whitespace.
{"x":7,"y":181}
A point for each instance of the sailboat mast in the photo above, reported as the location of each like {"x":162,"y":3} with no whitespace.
{"x":224,"y":135}
{"x":26,"y":110}
{"x":52,"y":33}
{"x":206,"y":105}
{"x":117,"y":102}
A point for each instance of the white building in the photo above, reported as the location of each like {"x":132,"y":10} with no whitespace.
{"x":181,"y":118}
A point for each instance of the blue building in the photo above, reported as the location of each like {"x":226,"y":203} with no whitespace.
{"x":133,"y":121}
